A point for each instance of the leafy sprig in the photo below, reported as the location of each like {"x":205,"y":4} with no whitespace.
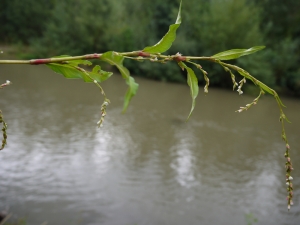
{"x":69,"y":67}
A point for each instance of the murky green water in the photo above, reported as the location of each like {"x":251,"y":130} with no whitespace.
{"x":146,"y":166}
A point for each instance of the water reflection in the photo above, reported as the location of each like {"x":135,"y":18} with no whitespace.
{"x":184,"y":161}
{"x":147,"y":166}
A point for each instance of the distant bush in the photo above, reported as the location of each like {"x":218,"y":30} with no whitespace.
{"x":74,"y":27}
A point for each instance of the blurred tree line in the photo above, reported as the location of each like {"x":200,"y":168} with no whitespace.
{"x":73,"y":27}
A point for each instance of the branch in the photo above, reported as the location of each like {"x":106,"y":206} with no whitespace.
{"x":69,"y":67}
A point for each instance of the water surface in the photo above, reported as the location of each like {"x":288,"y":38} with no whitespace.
{"x":147,"y":166}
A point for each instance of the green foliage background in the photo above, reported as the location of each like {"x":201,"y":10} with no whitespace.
{"x":73,"y":27}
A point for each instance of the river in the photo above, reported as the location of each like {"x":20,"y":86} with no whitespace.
{"x":147,"y":166}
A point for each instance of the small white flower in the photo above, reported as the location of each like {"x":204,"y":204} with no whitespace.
{"x":287,"y":183}
{"x":105,"y":103}
{"x":289,"y":207}
{"x":153,"y":59}
{"x":1,"y":52}
{"x":98,"y":122}
{"x":240,"y":92}
{"x":290,"y":178}
{"x":240,"y":110}
{"x":244,"y":80}
{"x":292,"y":203}
{"x":8,"y":82}
{"x":95,"y":82}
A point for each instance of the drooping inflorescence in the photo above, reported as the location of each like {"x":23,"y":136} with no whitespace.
{"x":4,"y":128}
{"x":69,"y":66}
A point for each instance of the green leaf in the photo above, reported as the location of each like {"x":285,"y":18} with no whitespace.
{"x":257,"y":82}
{"x":68,"y":71}
{"x":99,"y":75}
{"x":71,"y":72}
{"x":193,"y":83}
{"x":166,"y":42}
{"x":117,"y":60}
{"x":266,"y":88}
{"x":133,"y":87}
{"x":236,"y":53}
{"x":261,"y":85}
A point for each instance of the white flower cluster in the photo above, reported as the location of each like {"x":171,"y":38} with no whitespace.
{"x":242,"y":82}
{"x":205,"y":89}
{"x":154,"y":59}
{"x":103,"y":113}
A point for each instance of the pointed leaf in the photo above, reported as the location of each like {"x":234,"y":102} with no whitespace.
{"x":166,"y":42}
{"x":133,"y":87}
{"x":236,"y":53}
{"x":117,"y":60}
{"x":193,"y":83}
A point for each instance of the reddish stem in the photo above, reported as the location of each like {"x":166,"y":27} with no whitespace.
{"x":39,"y":61}
{"x":143,"y":54}
{"x":180,"y":58}
{"x":93,"y":56}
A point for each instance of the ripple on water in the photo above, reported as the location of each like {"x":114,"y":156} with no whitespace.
{"x":147,"y":166}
